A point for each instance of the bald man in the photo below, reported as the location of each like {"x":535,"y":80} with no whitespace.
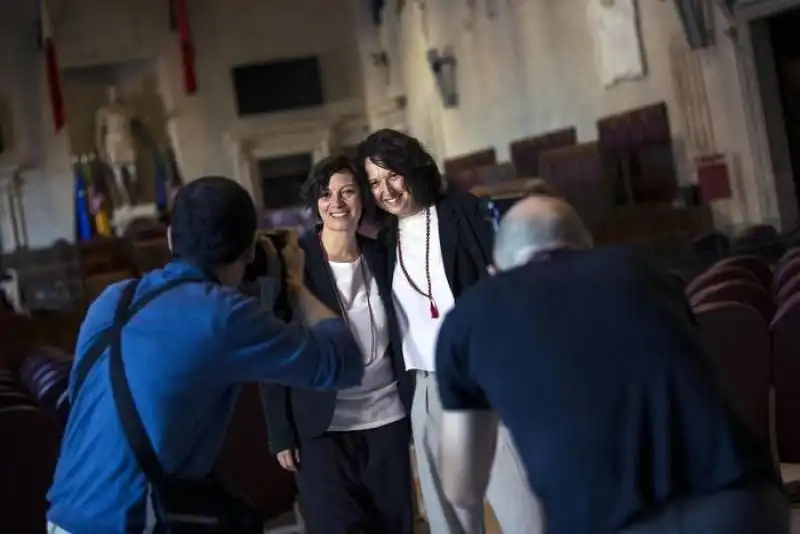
{"x":591,"y":359}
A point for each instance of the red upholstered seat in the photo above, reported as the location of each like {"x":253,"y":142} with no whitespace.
{"x":754,"y":264}
{"x":11,"y":398}
{"x":45,"y":373}
{"x":787,"y":289}
{"x":718,"y":275}
{"x":737,"y":339}
{"x":791,"y":254}
{"x":786,"y":377}
{"x":741,"y":291}
{"x":784,"y":272}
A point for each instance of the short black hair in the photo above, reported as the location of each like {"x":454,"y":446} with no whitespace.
{"x":320,"y":178}
{"x":213,"y":222}
{"x":404,"y":155}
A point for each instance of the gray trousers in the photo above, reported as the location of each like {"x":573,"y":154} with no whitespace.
{"x":756,"y":509}
{"x":516,"y":508}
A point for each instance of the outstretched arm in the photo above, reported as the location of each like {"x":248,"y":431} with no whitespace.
{"x":468,"y":425}
{"x":468,"y":440}
{"x":260,"y":348}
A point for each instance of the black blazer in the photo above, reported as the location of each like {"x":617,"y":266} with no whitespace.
{"x":466,"y":235}
{"x":293,"y":412}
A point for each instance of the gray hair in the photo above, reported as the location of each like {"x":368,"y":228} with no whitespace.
{"x":536,"y":225}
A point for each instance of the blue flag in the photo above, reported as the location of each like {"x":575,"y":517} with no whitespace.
{"x":83,"y":217}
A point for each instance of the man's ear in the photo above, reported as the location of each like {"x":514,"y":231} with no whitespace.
{"x":169,"y":237}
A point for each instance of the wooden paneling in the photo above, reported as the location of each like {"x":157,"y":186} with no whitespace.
{"x":577,"y":173}
{"x":480,"y":158}
{"x":525,"y":152}
{"x":637,"y":147}
{"x":485,"y":175}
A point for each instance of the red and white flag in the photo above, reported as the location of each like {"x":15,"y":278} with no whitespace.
{"x":51,"y":63}
{"x":187,"y":46}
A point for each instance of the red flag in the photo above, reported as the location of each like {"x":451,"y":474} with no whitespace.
{"x":53,"y":75}
{"x":187,"y":47}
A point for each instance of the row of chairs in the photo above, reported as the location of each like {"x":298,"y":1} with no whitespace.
{"x":749,"y":279}
{"x":12,"y":393}
{"x":750,"y":325}
{"x":45,"y":374}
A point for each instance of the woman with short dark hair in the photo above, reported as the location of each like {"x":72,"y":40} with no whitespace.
{"x":439,"y":246}
{"x":350,"y":448}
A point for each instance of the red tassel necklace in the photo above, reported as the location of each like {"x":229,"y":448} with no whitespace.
{"x":434,"y":310}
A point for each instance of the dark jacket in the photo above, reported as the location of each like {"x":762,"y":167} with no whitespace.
{"x":466,"y":236}
{"x":293,"y":413}
{"x":593,"y":361}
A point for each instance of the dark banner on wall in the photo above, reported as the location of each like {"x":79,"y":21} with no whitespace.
{"x":376,"y":10}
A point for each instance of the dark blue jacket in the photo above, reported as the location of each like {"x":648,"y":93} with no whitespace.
{"x":592,"y":359}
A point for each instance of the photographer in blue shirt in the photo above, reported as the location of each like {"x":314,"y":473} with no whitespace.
{"x":185,"y":355}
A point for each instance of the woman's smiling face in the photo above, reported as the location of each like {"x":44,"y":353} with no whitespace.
{"x":389,"y":190}
{"x":340,"y":204}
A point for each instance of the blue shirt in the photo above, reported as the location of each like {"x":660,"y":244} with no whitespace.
{"x":185,"y":354}
{"x":592,"y":360}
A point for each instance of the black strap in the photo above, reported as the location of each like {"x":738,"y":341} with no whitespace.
{"x":104,"y":338}
{"x":111,"y":338}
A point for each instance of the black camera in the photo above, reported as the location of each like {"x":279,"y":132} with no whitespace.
{"x":259,"y":268}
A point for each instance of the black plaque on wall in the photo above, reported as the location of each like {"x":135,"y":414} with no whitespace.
{"x":282,"y":178}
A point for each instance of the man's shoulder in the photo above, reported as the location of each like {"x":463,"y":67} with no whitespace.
{"x":198,"y":298}
{"x":622,"y":255}
{"x":484,"y":299}
{"x":103,"y":307}
{"x":489,"y":287}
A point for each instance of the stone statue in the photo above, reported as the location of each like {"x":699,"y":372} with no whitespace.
{"x":116,"y":145}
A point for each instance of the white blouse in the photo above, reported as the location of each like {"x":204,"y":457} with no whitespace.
{"x":376,"y":401}
{"x":417,"y":328}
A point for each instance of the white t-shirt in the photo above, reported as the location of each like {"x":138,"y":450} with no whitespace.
{"x":376,"y":401}
{"x":417,"y":328}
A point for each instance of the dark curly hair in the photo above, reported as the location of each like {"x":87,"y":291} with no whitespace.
{"x":320,"y":177}
{"x":403,"y":155}
{"x":213,"y":222}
